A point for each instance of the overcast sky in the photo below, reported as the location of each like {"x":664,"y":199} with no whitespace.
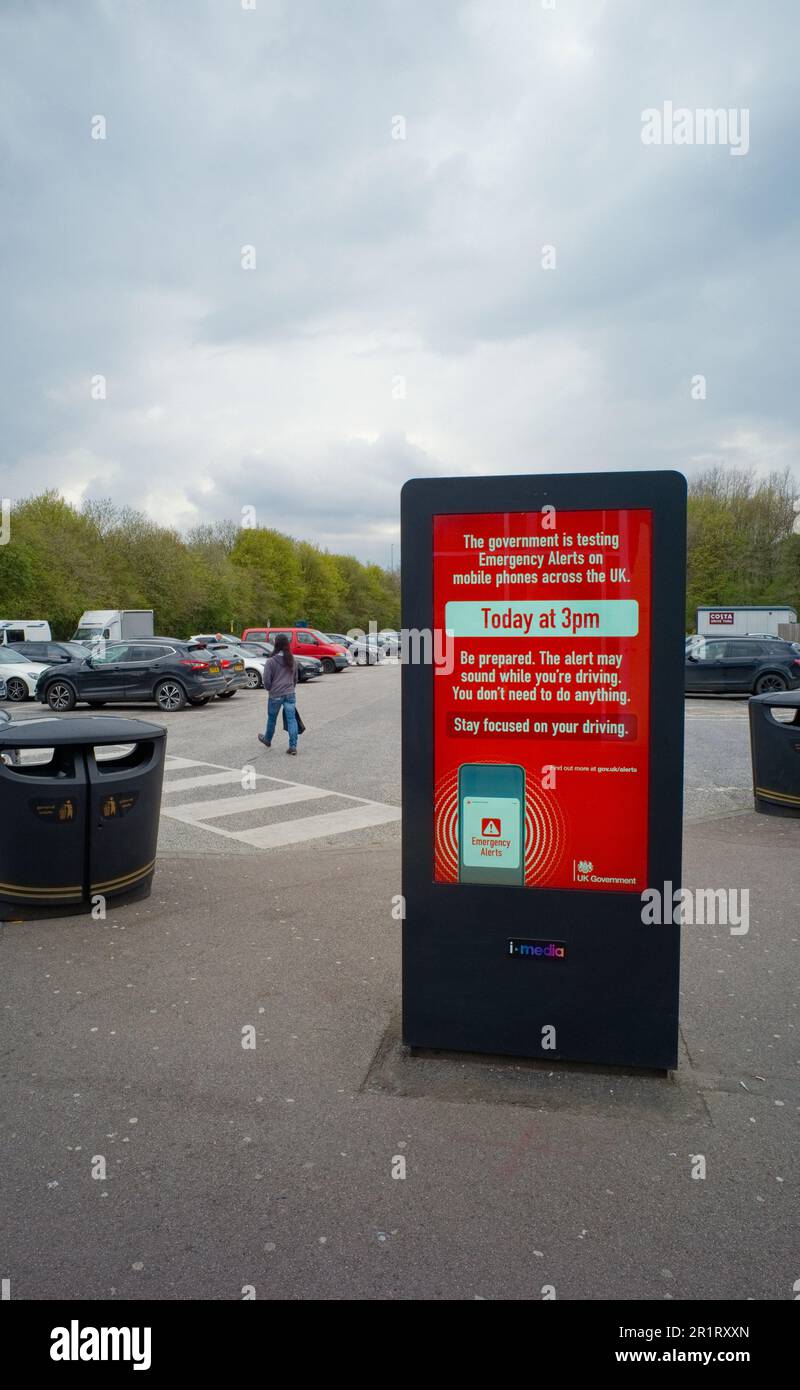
{"x":399,"y":321}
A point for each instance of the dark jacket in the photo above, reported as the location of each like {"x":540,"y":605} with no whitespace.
{"x":279,"y":679}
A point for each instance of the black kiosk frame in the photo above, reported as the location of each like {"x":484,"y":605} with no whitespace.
{"x":614,"y":1000}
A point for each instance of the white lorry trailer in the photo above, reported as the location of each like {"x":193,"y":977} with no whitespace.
{"x":114,"y":624}
{"x":743,"y":621}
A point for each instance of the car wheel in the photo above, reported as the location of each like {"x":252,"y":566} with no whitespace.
{"x":16,"y":689}
{"x":61,"y":696}
{"x":328,"y":666}
{"x":169,"y":696}
{"x":226,"y":694}
{"x":253,"y":680}
{"x":771,"y":682}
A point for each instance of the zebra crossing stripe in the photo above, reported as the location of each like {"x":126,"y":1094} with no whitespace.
{"x":359,"y":814}
{"x":294,"y":832}
{"x":207,"y":779}
{"x":230,"y":805}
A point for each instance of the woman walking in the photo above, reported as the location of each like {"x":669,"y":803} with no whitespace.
{"x":280,"y":679}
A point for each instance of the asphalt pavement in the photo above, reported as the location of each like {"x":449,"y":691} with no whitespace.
{"x":206,"y":1092}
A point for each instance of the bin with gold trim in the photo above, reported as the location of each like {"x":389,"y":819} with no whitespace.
{"x":80,"y":799}
{"x":775,"y":747}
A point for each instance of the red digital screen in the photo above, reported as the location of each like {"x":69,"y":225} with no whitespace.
{"x":541,"y":704}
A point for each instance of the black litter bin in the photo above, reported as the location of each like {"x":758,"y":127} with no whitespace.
{"x":75,"y":825}
{"x":775,"y":747}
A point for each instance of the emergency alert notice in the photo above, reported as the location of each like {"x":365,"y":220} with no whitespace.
{"x":549,"y":616}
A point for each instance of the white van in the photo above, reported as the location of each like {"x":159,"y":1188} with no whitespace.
{"x":114,"y":624}
{"x":24,"y":630}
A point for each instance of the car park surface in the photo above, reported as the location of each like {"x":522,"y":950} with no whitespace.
{"x":123,"y":1037}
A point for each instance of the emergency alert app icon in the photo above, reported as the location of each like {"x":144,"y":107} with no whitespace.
{"x":490,"y":828}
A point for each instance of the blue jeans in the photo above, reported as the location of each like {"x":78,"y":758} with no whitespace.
{"x":274,"y":706}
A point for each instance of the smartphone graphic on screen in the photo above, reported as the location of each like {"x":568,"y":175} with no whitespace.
{"x":491,"y":823}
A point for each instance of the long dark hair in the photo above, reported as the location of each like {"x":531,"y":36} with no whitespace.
{"x":282,"y":645}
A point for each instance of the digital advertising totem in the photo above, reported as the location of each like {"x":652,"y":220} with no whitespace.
{"x":543,"y":650}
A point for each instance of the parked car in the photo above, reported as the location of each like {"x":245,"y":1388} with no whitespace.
{"x":695,"y":637}
{"x":741,"y":665}
{"x":169,"y":672}
{"x":367,"y":650}
{"x":391,"y":641}
{"x":373,"y":646}
{"x":308,"y":668}
{"x":230,"y":660}
{"x":229,"y":638}
{"x":233,"y":664}
{"x":305,"y":641}
{"x":19,"y":673}
{"x":51,"y":653}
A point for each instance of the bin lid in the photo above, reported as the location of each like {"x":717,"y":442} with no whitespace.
{"x":790,"y":698}
{"x":52,"y":730}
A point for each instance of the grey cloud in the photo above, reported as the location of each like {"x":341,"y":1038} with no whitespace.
{"x":379,"y":258}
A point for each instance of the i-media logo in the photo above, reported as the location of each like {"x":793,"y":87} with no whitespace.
{"x":537,"y":950}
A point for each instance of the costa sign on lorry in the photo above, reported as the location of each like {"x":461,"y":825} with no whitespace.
{"x":537,"y":797}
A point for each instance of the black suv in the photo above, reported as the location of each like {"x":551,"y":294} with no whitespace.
{"x":740,"y":665}
{"x":170,"y":673}
{"x":52,"y":652}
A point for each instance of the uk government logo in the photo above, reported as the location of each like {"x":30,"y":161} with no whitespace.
{"x":583,"y":872}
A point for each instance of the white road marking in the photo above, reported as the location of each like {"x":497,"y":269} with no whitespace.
{"x":315,"y":827}
{"x":209,"y":779}
{"x":361,"y":814}
{"x":231,"y":805}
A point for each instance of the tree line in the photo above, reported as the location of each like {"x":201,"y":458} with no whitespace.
{"x":223,"y":577}
{"x":741,"y":545}
{"x":61,"y":560}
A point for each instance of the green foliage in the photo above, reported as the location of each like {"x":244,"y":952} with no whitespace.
{"x":741,"y":549}
{"x":61,"y":560}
